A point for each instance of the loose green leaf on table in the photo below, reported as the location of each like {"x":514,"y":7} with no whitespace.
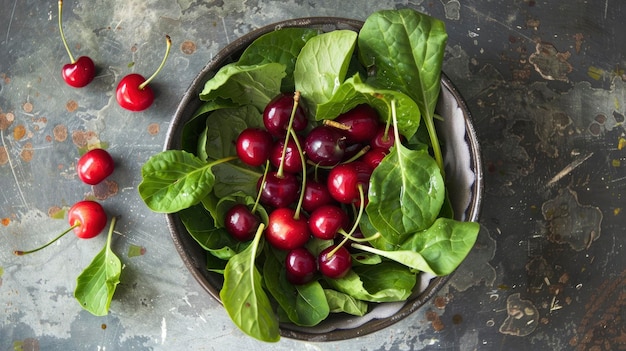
{"x":96,"y":285}
{"x":243,"y":296}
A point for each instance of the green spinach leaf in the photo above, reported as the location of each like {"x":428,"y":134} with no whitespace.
{"x":214,"y":240}
{"x":384,"y":282}
{"x":252,"y":85}
{"x":340,"y":302}
{"x":322,"y":66}
{"x":305,"y":304}
{"x":173,"y":180}
{"x":224,"y":126}
{"x":406,"y":193}
{"x":354,"y":92}
{"x":406,"y":49}
{"x":437,"y":250}
{"x":282,"y":46}
{"x":96,"y":285}
{"x":243,"y":296}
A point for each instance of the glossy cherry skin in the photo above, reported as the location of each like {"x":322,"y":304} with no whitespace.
{"x":325,"y":146}
{"x":301,"y":266}
{"x":284,"y":232}
{"x":316,"y":194}
{"x":279,"y":191}
{"x":326,"y":221}
{"x":130,"y":96}
{"x":241,"y":223}
{"x":344,"y":179}
{"x":374,"y":156}
{"x":254,"y":146}
{"x":292,"y":163}
{"x":363,"y":121}
{"x":335,"y":266}
{"x":277,"y":114}
{"x":94,"y":166}
{"x":79,"y":73}
{"x":90,"y":217}
{"x":382,"y":140}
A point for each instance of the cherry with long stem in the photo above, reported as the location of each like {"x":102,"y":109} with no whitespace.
{"x":79,"y":72}
{"x":133,"y":92}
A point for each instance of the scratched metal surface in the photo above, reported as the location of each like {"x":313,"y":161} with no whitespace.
{"x":545,"y":82}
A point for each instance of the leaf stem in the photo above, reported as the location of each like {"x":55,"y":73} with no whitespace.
{"x":21,"y":253}
{"x":167,"y":52}
{"x":434,"y":141}
{"x":72,"y":60}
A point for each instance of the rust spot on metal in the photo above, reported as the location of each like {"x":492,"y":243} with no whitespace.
{"x":19,"y":132}
{"x":27,"y":107}
{"x":550,"y":63}
{"x":4,"y":156}
{"x":27,"y":152}
{"x":153,"y":128}
{"x":188,"y":47}
{"x":71,"y":105}
{"x":105,"y":189}
{"x":60,"y":133}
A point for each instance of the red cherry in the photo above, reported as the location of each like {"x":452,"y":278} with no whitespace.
{"x":344,"y":180}
{"x":131,"y":95}
{"x":285,"y":232}
{"x":241,"y":223}
{"x":335,"y":265}
{"x":133,"y":92}
{"x":87,"y":218}
{"x":254,"y":146}
{"x":77,"y":73}
{"x":94,"y":166}
{"x":326,"y":221}
{"x":301,"y":266}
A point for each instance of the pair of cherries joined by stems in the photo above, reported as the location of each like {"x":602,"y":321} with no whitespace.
{"x":132,"y":93}
{"x":343,"y":153}
{"x":86,"y":218}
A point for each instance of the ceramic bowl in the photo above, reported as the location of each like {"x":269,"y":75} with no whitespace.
{"x":463,"y":173}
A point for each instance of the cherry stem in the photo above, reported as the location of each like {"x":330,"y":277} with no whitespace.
{"x":296,"y":101}
{"x":301,"y":198}
{"x":335,"y":124}
{"x":356,"y":222}
{"x":21,"y":253}
{"x":258,"y":195}
{"x":167,"y":53}
{"x":72,"y":60}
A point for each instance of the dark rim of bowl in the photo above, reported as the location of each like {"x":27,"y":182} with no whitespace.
{"x":189,"y":249}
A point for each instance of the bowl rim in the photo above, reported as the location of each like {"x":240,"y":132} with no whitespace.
{"x":183,"y":114}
